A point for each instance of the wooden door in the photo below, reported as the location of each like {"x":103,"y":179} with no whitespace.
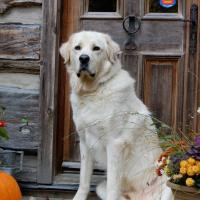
{"x":157,"y":56}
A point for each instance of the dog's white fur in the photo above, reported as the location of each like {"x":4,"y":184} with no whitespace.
{"x":114,"y":126}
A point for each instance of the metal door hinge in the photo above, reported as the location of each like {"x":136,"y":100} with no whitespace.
{"x":193,"y":28}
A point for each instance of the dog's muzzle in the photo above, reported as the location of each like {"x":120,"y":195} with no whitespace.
{"x":84,"y":59}
{"x":84,"y":65}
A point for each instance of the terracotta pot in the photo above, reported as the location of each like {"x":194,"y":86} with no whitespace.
{"x":184,"y":192}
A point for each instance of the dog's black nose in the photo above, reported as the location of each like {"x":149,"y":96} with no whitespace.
{"x":84,"y":59}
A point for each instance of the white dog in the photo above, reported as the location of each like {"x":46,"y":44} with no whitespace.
{"x":114,"y":126}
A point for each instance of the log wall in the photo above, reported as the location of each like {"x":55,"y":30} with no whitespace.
{"x":20,"y":62}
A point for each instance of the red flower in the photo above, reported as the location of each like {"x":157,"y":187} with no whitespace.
{"x":158,"y":172}
{"x":2,"y":123}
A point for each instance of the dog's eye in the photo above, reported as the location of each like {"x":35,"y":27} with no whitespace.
{"x":96,"y":48}
{"x":77,"y":47}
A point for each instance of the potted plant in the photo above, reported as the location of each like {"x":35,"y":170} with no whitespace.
{"x":3,"y":131}
{"x":180,"y":161}
{"x":9,"y":188}
{"x":8,"y":158}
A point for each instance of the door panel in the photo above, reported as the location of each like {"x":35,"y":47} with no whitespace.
{"x":161,"y":36}
{"x":160,"y":88}
{"x":158,"y":62}
{"x":107,"y":26}
{"x":130,"y":63}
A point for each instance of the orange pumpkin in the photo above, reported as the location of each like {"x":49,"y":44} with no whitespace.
{"x":9,"y":189}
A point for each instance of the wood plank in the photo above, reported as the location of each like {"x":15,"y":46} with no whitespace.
{"x":49,"y":90}
{"x":6,"y":4}
{"x":53,"y":195}
{"x":20,"y":66}
{"x":160,"y":88}
{"x":29,"y":171}
{"x":73,"y":179}
{"x":132,"y":7}
{"x":129,"y":61}
{"x":21,"y":103}
{"x":20,"y":81}
{"x":69,"y":23}
{"x":150,"y":36}
{"x":180,"y":88}
{"x":19,"y":41}
{"x":198,"y":64}
{"x":29,"y":15}
{"x":160,"y":35}
{"x":107,"y":26}
{"x":187,"y":36}
{"x":192,"y":81}
{"x":54,"y":191}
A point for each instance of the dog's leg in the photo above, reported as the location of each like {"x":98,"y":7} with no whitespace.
{"x":85,"y":173}
{"x":101,"y":190}
{"x":115,"y":163}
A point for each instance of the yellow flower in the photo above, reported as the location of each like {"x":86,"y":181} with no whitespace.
{"x":183,"y":163}
{"x":198,"y":163}
{"x":190,"y":182}
{"x":191,"y":161}
{"x":183,"y":170}
{"x":195,"y":169}
{"x":190,"y":171}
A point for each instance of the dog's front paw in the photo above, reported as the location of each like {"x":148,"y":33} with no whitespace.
{"x":81,"y":195}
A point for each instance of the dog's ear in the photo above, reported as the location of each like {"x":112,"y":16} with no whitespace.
{"x":65,"y":52}
{"x":112,"y":50}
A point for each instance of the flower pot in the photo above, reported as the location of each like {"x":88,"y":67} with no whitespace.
{"x":183,"y":192}
{"x":11,"y":161}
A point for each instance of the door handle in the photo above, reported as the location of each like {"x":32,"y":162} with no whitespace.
{"x":131,"y":24}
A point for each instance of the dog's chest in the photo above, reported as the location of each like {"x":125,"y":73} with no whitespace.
{"x":92,"y":118}
{"x":94,"y":112}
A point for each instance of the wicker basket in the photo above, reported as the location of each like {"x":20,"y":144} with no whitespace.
{"x":184,"y":192}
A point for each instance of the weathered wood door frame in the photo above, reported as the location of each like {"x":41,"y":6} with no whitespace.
{"x":59,"y":21}
{"x":69,"y":23}
{"x":49,"y":90}
{"x":192,"y":76}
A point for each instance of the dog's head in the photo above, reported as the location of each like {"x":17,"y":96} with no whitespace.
{"x":89,"y":54}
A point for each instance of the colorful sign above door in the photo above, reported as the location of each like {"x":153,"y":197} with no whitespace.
{"x":167,"y":3}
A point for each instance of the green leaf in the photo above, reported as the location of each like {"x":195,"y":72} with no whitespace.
{"x":24,"y":120}
{"x":4,"y":133}
{"x":197,"y":185}
{"x":2,"y":109}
